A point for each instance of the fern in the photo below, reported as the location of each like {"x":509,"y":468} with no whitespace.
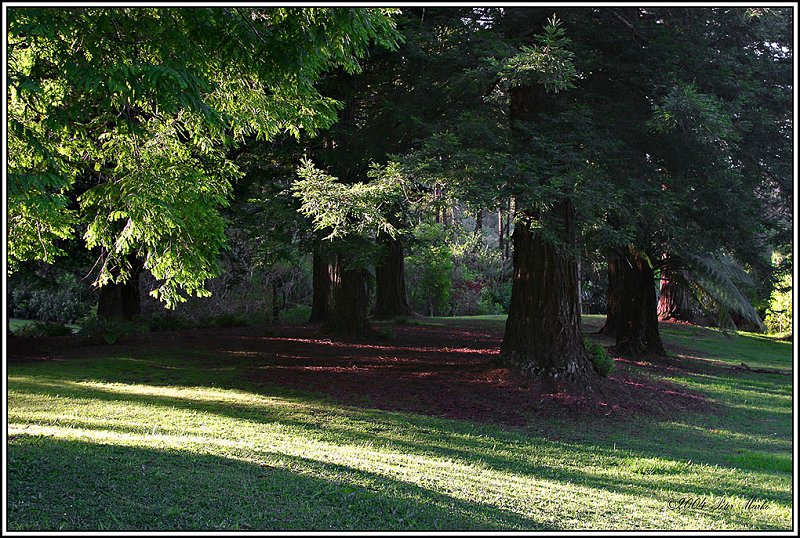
{"x":719,"y":279}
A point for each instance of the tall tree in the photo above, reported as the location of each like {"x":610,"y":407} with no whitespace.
{"x":692,"y":163}
{"x":139,"y":105}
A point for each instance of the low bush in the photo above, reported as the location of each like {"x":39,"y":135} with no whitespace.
{"x":603,"y":364}
{"x":168,"y":323}
{"x":225,"y":320}
{"x":101,"y":331}
{"x":296,"y":314}
{"x":40,"y":329}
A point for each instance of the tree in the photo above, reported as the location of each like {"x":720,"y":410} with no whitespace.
{"x":520,"y":135}
{"x":130,"y":111}
{"x":691,"y":93}
{"x":352,"y":213}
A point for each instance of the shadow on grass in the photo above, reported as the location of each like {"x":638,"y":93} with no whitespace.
{"x":426,"y":436}
{"x":73,"y":485}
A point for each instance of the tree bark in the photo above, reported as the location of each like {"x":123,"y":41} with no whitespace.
{"x":674,"y":302}
{"x":121,"y":301}
{"x":543,"y":336}
{"x":390,"y":282}
{"x":500,"y":234}
{"x":614,"y":297}
{"x":637,"y":327}
{"x":348,"y":314}
{"x":321,"y":283}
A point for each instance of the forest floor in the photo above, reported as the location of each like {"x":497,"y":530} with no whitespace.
{"x":411,"y":428}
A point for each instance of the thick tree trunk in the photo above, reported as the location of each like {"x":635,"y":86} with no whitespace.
{"x":348,"y":314}
{"x":543,"y":336}
{"x":121,"y":301}
{"x":637,"y":328}
{"x":390,"y":282}
{"x":674,"y":302}
{"x":321,"y":283}
{"x":614,"y":297}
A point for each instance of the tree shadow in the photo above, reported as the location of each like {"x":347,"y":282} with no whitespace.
{"x":425,"y":436}
{"x":74,"y":485}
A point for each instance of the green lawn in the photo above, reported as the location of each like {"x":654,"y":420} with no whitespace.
{"x":147,"y":441}
{"x":15,"y":324}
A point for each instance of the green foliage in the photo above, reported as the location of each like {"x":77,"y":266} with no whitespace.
{"x":158,"y":323}
{"x":348,"y":208}
{"x":132,"y":110}
{"x":296,"y":314}
{"x":108,"y":331}
{"x":386,"y":333}
{"x":779,"y":314}
{"x":59,"y":296}
{"x":692,"y":113}
{"x":549,"y":62}
{"x":225,"y":320}
{"x":429,"y":269}
{"x":603,"y":364}
{"x":42,"y":329}
{"x":718,"y":281}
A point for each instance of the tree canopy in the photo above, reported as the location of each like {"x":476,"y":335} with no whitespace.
{"x":119,"y":120}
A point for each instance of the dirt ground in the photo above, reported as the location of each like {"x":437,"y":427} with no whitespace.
{"x":435,"y":370}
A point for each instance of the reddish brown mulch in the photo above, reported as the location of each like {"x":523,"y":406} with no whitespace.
{"x":439,"y":371}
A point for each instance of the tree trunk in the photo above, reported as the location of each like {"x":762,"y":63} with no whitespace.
{"x":500,"y":234}
{"x":390,"y":282}
{"x":674,"y":302}
{"x":637,"y":328}
{"x":543,"y":336}
{"x":321,"y":283}
{"x":580,"y":293}
{"x":348,"y":314}
{"x":614,"y":297}
{"x":121,"y":301}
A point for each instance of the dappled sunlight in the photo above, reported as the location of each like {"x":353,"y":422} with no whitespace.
{"x":365,"y":413}
{"x":383,"y":348}
{"x":521,"y":478}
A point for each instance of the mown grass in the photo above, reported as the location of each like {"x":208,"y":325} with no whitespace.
{"x":185,"y":441}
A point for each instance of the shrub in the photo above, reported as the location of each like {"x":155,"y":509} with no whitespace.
{"x":101,"y":331}
{"x":65,"y":299}
{"x":386,"y":333}
{"x":168,"y":323}
{"x":779,"y":314}
{"x":603,"y":364}
{"x":297,"y":314}
{"x":225,"y":320}
{"x":40,"y":329}
{"x":429,"y":270}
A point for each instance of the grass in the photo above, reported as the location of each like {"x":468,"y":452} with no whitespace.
{"x":129,"y":441}
{"x":15,"y":324}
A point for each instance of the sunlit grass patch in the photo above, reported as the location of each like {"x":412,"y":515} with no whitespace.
{"x":763,"y":461}
{"x":189,"y":442}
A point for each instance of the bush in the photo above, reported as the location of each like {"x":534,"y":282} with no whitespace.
{"x":779,"y":314}
{"x":225,"y":320}
{"x":101,"y":331}
{"x":603,"y":364}
{"x":495,"y":298}
{"x":429,"y":270}
{"x":386,"y":333}
{"x":297,"y":314}
{"x":168,"y":323}
{"x":63,"y":299}
{"x":40,"y":329}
